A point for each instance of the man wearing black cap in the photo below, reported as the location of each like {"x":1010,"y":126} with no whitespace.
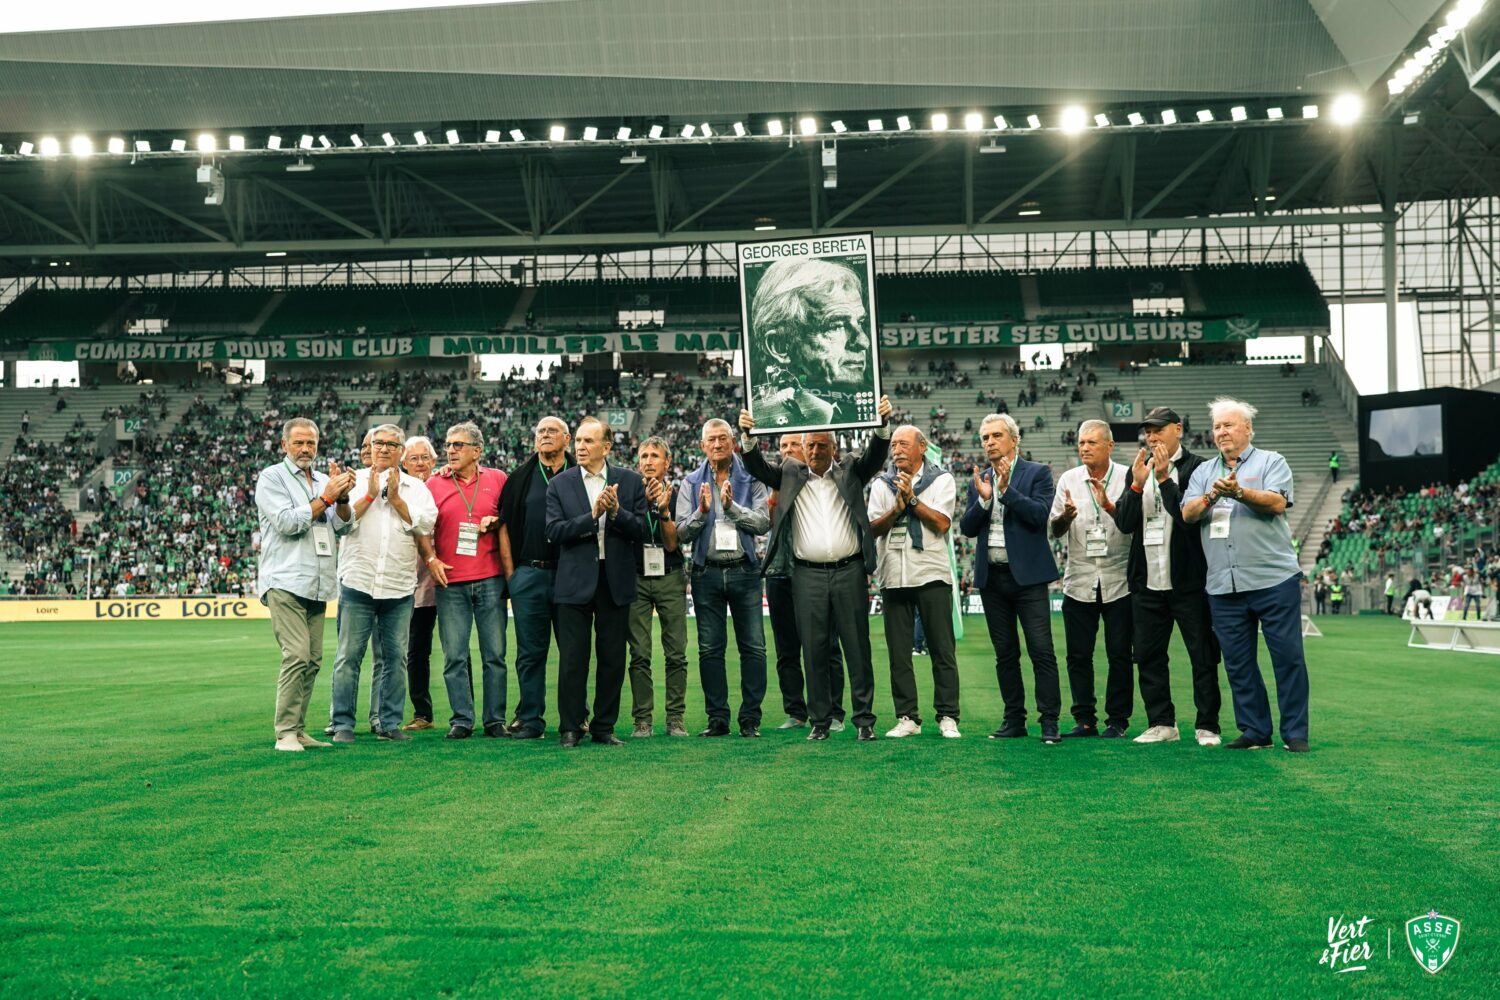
{"x":1167,"y":572}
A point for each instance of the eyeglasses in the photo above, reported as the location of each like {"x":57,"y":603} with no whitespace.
{"x":386,"y":444}
{"x":459,"y":444}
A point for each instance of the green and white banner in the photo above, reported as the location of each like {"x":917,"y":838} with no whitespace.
{"x":1102,"y":332}
{"x":146,"y":349}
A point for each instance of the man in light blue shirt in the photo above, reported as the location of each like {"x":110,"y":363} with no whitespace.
{"x":1240,"y":500}
{"x":301,"y":510}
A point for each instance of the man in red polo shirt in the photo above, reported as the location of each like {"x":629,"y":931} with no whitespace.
{"x":471,"y":591}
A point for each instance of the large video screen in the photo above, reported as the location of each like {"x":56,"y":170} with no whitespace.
{"x":1407,"y":432}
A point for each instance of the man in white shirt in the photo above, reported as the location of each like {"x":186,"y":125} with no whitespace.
{"x":377,"y":580}
{"x":911,"y":511}
{"x":1095,"y":585}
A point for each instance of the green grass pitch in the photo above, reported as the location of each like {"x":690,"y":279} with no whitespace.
{"x":155,"y":845}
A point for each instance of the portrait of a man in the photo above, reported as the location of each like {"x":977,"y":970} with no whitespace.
{"x":811,"y":356}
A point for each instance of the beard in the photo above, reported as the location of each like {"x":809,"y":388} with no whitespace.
{"x":305,"y":464}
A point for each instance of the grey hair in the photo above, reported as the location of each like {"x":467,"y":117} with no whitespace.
{"x":792,"y":298}
{"x":1228,"y":404}
{"x":388,"y":429}
{"x":921,"y":438}
{"x":715,"y":422}
{"x":424,"y":441}
{"x":563,"y":423}
{"x":1096,"y":425}
{"x":366,"y":439}
{"x":294,"y":423}
{"x":1003,"y":418}
{"x":471,"y":429}
{"x":659,"y":443}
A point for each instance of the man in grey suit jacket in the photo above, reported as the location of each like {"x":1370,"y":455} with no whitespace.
{"x":821,"y":538}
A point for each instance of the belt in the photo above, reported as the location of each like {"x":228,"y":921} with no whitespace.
{"x":714,"y":564}
{"x":540,"y":563}
{"x":827,"y":565}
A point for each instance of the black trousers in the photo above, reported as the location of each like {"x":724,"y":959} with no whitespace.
{"x":606,"y":623}
{"x":419,"y":662}
{"x":1081,"y":628}
{"x":833,"y":608}
{"x":935,"y":603}
{"x":788,"y":642}
{"x":1155,"y":611}
{"x":1005,"y":603}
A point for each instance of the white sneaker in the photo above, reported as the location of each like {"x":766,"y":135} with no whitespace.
{"x":836,"y":726}
{"x":308,"y":741}
{"x":905,"y":727}
{"x":289,"y":744}
{"x":792,"y":723}
{"x":1207,"y":738}
{"x":949,"y":728}
{"x":1159,"y":734}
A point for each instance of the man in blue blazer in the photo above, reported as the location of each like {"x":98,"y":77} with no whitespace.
{"x":596,"y":515}
{"x":1009,"y":503}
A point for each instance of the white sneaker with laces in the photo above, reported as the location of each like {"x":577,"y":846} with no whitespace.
{"x":905,"y":727}
{"x":1159,"y":734}
{"x":792,"y":723}
{"x":289,"y":744}
{"x":836,"y":726}
{"x":1207,"y":738}
{"x":949,"y":728}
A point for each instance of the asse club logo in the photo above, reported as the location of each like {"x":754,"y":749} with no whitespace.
{"x":1432,"y":938}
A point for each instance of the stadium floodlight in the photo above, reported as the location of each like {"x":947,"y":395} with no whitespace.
{"x":739,"y":129}
{"x":325,"y":142}
{"x":1101,"y":120}
{"x":1205,"y":115}
{"x":903,"y":122}
{"x":1238,"y":113}
{"x":273,"y":142}
{"x":387,"y":138}
{"x":236,"y":144}
{"x":939,"y":122}
{"x":623,"y":133}
{"x":1169,"y":117}
{"x":808,"y":126}
{"x":1309,"y":111}
{"x":306,"y":142}
{"x":1411,"y":118}
{"x":557,"y":133}
{"x":179,"y":145}
{"x":1274,"y":113}
{"x":1073,"y":119}
{"x":774,"y":127}
{"x":875,"y":125}
{"x":1136,"y":118}
{"x":207,"y":143}
{"x":420,"y":138}
{"x":492,"y":135}
{"x":143,"y":145}
{"x":81,"y":146}
{"x":116,"y":145}
{"x":1446,"y":33}
{"x":1395,"y":85}
{"x":656,"y":132}
{"x":356,"y":141}
{"x":687,"y":131}
{"x":1346,"y":109}
{"x":517,"y":135}
{"x":275,"y":253}
{"x":839,"y":126}
{"x":27,"y":148}
{"x":1460,"y":16}
{"x":590,"y":133}
{"x":707,"y":130}
{"x":452,"y":136}
{"x":1033,"y":121}
{"x":50,"y":146}
{"x":1000,"y":123}
{"x":1030,"y":211}
{"x":1423,"y":57}
{"x":973,"y":122}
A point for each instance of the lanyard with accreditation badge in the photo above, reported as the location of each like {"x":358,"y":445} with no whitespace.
{"x":322,"y":535}
{"x":468,"y":531}
{"x":1096,"y":537}
{"x":1218,"y":525}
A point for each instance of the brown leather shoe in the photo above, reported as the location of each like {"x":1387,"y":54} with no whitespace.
{"x":417,"y":725}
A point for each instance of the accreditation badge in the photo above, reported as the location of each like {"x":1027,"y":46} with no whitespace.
{"x":322,"y":536}
{"x":468,"y":539}
{"x":997,"y":532}
{"x":654,"y":560}
{"x":897,"y":538}
{"x":1096,"y":542}
{"x":726,"y":536}
{"x":1154,"y":531}
{"x":1218,"y":527}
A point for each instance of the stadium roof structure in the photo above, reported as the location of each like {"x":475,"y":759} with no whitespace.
{"x":499,"y":127}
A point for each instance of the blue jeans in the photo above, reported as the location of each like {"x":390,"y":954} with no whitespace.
{"x":531,"y":600}
{"x":377,"y":675}
{"x":1278,"y":609}
{"x":462,"y":608}
{"x":389,"y":621}
{"x":918,"y":634}
{"x":738,"y":587}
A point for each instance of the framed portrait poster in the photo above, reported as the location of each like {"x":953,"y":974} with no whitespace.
{"x":807,"y":319}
